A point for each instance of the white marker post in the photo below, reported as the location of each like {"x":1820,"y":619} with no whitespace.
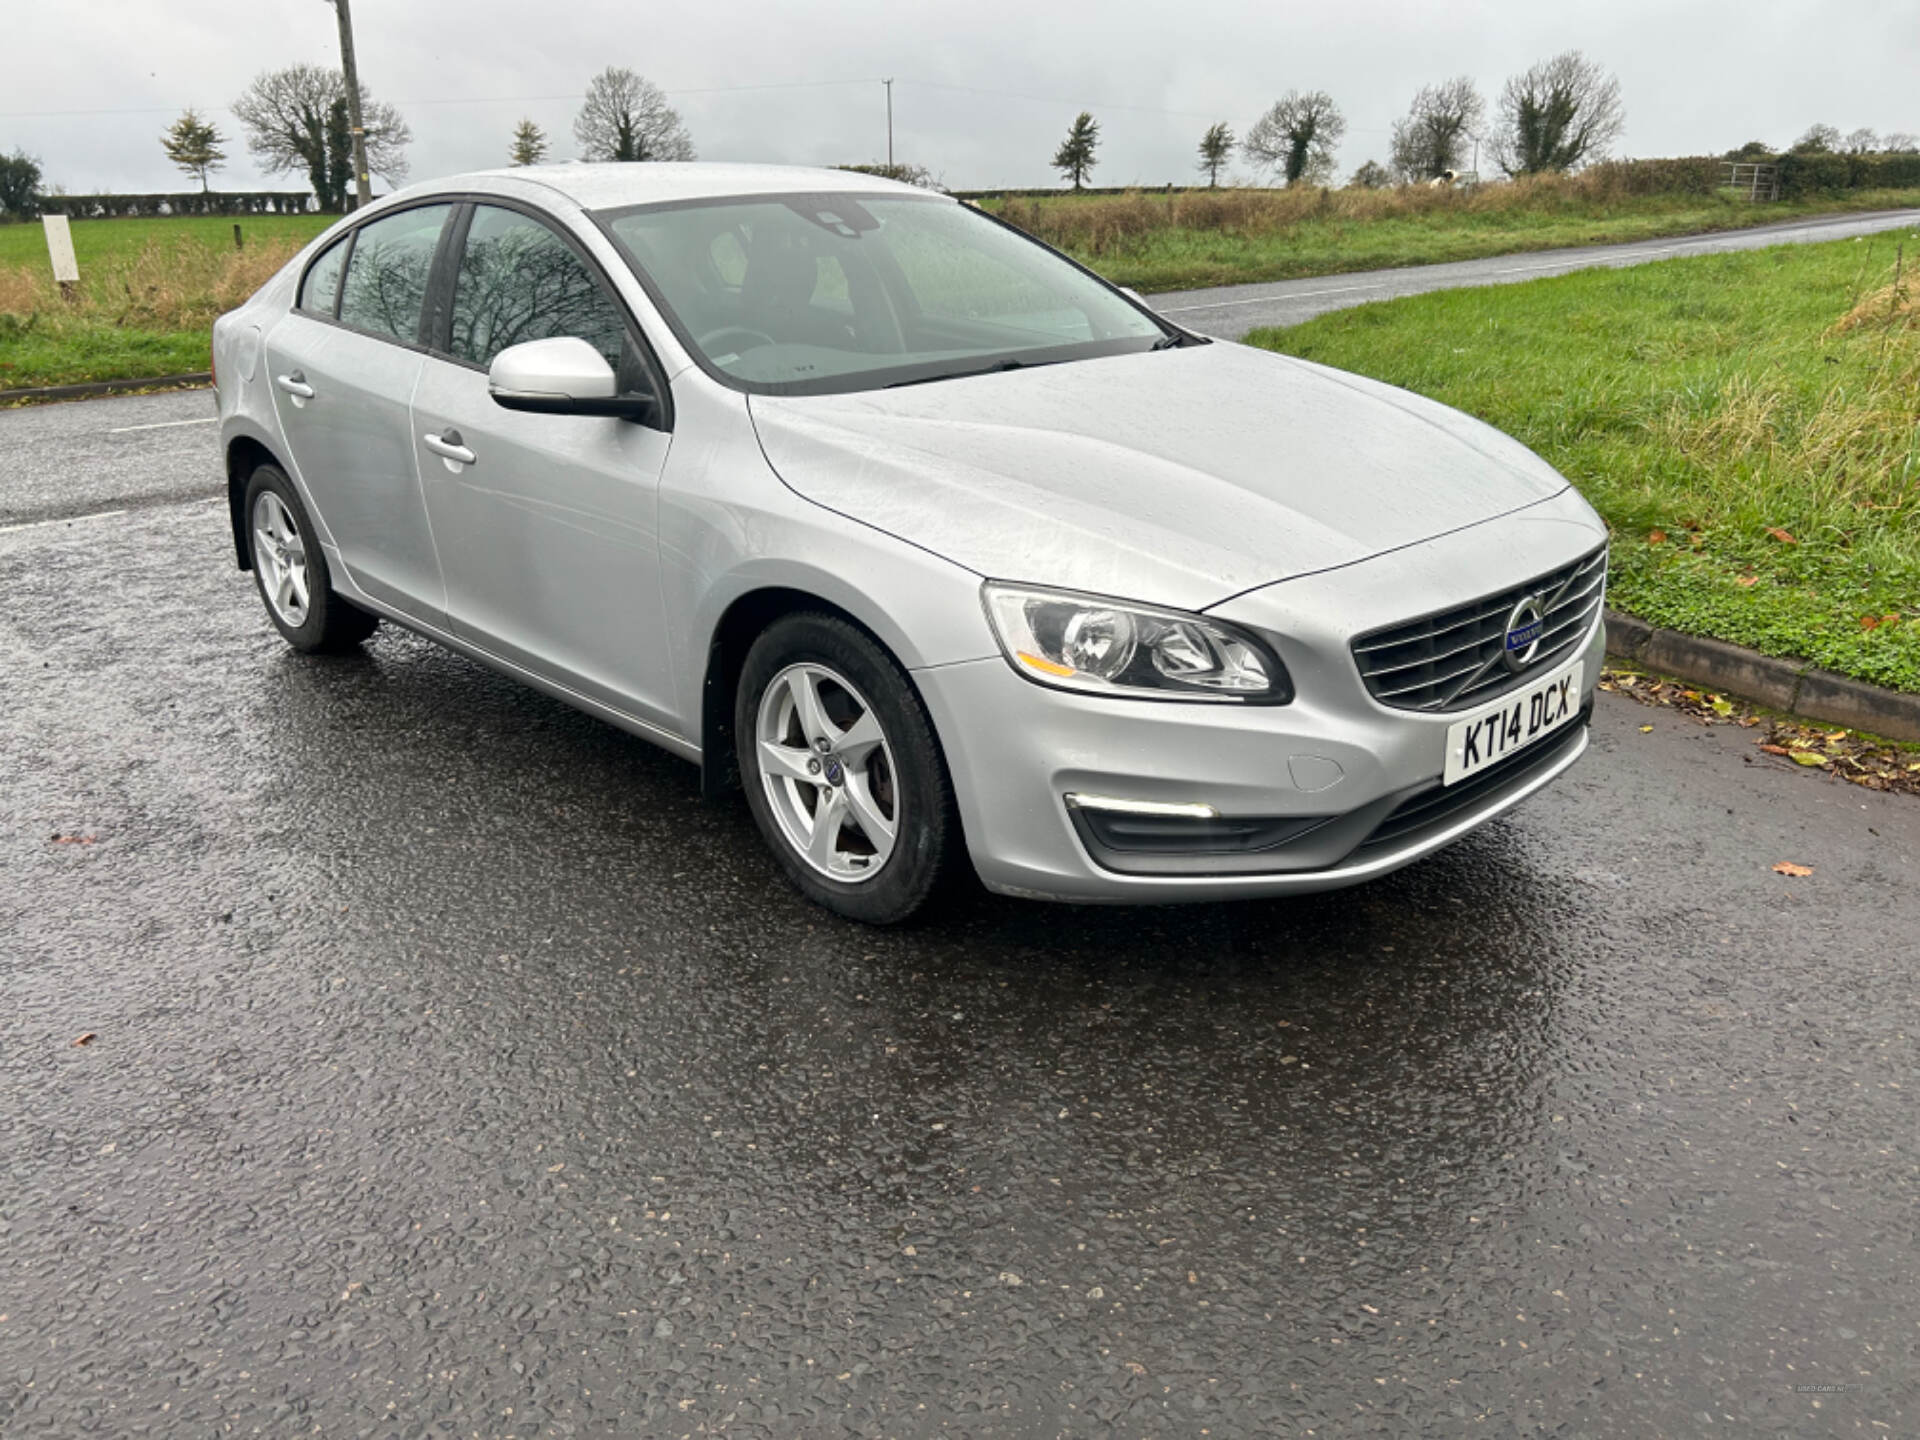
{"x":66,"y":270}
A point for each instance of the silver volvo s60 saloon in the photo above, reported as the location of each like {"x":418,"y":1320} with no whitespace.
{"x":928,"y":539}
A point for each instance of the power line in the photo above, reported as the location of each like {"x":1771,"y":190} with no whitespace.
{"x":451,"y":99}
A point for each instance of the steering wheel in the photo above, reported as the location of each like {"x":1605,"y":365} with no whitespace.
{"x":758,"y":337}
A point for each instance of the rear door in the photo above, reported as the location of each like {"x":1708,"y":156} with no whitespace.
{"x":344,"y":365}
{"x":547,"y":534}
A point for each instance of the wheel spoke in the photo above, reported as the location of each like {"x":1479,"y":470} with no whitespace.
{"x":814,"y":723}
{"x":297,"y":582}
{"x":860,"y":739}
{"x":823,"y":844}
{"x":788,"y":761}
{"x":878,"y":829}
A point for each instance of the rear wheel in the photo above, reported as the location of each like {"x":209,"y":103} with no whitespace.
{"x":291,"y":571}
{"x":843,"y":772}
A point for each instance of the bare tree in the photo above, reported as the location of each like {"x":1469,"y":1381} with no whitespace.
{"x":1432,"y":138}
{"x":1898,"y":142}
{"x":193,"y":145}
{"x":1215,"y":146}
{"x":1861,"y":142}
{"x":1820,"y":139}
{"x":1372,"y":175}
{"x":627,"y":117}
{"x":1558,"y":115}
{"x":1074,"y":158}
{"x":1298,"y":136}
{"x":529,"y":144}
{"x":297,"y":119}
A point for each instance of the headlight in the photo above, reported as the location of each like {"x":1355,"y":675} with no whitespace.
{"x":1109,"y":647}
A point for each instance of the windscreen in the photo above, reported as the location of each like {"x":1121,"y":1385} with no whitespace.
{"x":814,"y":294}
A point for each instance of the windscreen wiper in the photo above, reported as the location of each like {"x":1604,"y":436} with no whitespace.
{"x":993,"y":369}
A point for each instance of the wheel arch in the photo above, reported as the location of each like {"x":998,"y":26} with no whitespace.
{"x":744,"y":620}
{"x":244,"y":455}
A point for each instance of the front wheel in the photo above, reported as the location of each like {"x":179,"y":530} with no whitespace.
{"x":843,"y":773}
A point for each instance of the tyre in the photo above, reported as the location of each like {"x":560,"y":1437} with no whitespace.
{"x":291,"y":571}
{"x":842,"y":770}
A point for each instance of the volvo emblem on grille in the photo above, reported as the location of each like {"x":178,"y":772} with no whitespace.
{"x":1524,"y":627}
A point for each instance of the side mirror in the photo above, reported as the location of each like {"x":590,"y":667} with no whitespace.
{"x":561,"y":376}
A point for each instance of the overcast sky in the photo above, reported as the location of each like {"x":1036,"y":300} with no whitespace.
{"x":983,"y":89}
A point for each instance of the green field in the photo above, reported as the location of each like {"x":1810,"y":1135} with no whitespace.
{"x":1748,"y":424}
{"x":147,"y":297}
{"x":97,"y":242}
{"x":1197,"y":238}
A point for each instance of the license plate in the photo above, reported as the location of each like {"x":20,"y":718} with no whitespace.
{"x":1511,"y":723}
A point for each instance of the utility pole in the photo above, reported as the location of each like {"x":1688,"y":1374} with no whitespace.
{"x":362,"y":190}
{"x":888,"y":82}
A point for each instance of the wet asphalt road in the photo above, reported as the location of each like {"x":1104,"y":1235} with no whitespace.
{"x":1230,"y":311}
{"x":458,"y":1072}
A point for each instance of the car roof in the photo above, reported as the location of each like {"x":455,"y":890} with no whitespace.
{"x":608,"y":185}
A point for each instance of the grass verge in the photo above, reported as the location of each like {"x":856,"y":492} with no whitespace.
{"x":147,"y":297}
{"x":1748,"y":424}
{"x":1195,"y":238}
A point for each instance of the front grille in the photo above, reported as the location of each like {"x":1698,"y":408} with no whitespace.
{"x":1433,"y":808}
{"x":1453,"y":659}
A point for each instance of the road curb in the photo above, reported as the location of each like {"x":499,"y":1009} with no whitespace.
{"x":1793,"y":687}
{"x":95,"y":388}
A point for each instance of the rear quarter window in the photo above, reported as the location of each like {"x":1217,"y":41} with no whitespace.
{"x":320,"y":291}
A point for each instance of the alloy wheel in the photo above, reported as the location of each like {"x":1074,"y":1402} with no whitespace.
{"x":828,"y":772}
{"x":280,"y":555}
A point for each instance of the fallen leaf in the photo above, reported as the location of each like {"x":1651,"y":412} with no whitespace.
{"x":1746,"y":580}
{"x":1722,"y":705}
{"x":1646,"y":729}
{"x":85,"y":1038}
{"x":1656,"y":537}
{"x":1787,"y":867}
{"x":1780,"y":750}
{"x":76,"y":839}
{"x":1808,"y":757}
{"x":1782,"y":536}
{"x":1869,"y":622}
{"x":1893,"y":619}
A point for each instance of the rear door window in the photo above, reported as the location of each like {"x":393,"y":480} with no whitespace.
{"x":387,"y":274}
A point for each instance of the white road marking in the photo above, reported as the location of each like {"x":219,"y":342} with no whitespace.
{"x":165,"y":425}
{"x":63,"y":520}
{"x":104,"y":514}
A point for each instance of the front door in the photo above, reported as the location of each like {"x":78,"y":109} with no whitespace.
{"x":344,"y":366}
{"x":545,"y":524}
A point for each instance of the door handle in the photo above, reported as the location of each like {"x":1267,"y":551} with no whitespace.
{"x":295,"y":384}
{"x":447,"y":445}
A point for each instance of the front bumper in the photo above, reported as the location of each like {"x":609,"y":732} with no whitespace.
{"x":1016,"y":749}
